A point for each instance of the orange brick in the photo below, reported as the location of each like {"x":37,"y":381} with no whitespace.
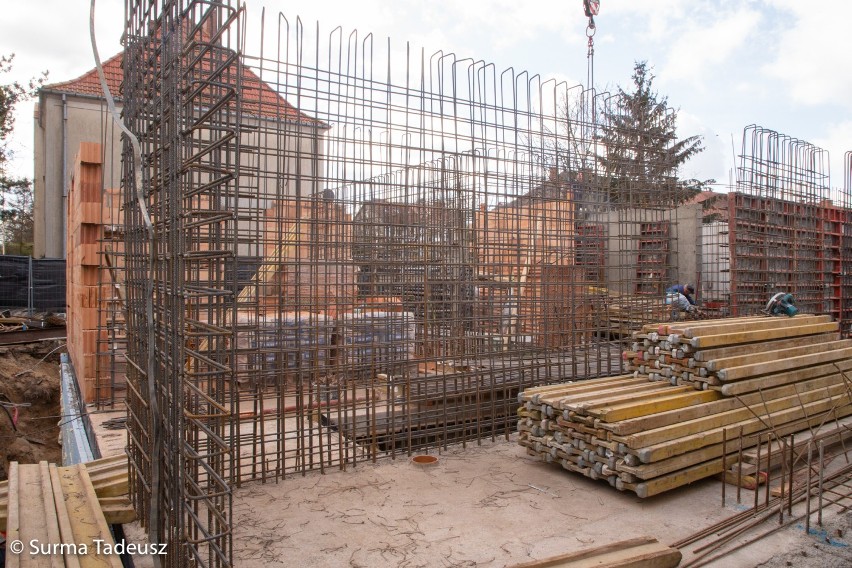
{"x":89,"y":153}
{"x":89,"y":255}
{"x":87,"y":275}
{"x":89,"y":212}
{"x":88,"y":318}
{"x":88,"y":387}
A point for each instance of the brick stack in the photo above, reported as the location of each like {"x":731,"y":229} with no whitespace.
{"x":86,"y":330}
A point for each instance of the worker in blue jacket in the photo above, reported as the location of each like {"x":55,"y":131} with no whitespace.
{"x":679,"y":297}
{"x":686,"y":290}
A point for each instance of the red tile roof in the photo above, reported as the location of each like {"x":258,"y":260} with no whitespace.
{"x":258,"y":99}
{"x":90,"y":84}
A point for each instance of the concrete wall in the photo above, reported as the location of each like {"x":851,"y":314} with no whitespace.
{"x":87,"y":121}
{"x":622,"y":228}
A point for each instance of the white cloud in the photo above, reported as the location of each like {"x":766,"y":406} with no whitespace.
{"x":837,"y":139}
{"x":700,"y":46}
{"x":726,"y":63}
{"x":812,"y":53}
{"x":716,"y":159}
{"x":655,"y":19}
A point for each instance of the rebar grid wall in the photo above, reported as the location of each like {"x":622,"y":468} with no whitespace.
{"x":842,"y":275}
{"x":110,"y":365}
{"x":358,"y":252}
{"x":782,"y":224}
{"x":182,"y":79}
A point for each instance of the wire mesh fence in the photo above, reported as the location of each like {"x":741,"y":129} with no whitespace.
{"x":337,"y":250}
{"x":34,"y":285}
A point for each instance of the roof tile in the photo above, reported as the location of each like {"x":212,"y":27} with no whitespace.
{"x":258,"y":98}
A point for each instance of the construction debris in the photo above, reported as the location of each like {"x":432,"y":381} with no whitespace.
{"x":669,"y":423}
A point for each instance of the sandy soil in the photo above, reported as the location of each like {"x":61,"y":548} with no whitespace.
{"x":489,"y":505}
{"x":26,"y":380}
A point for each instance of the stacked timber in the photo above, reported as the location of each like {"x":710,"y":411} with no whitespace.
{"x":752,"y":352}
{"x":762,"y":375}
{"x":108,"y":477}
{"x":56,"y":510}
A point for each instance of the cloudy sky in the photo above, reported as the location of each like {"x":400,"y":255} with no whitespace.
{"x":725,"y":64}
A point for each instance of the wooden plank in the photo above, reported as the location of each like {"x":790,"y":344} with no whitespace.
{"x":85,"y":519}
{"x":62,"y":516}
{"x":786,"y":378}
{"x":760,"y":335}
{"x":665,"y":483}
{"x":32,"y":516}
{"x":117,"y":510}
{"x":707,"y":424}
{"x":670,"y":327}
{"x":830,"y":433}
{"x":642,"y":552}
{"x":108,"y":483}
{"x":632,"y":426}
{"x":644,"y":390}
{"x":685,"y":444}
{"x":95,"y":468}
{"x":748,"y":348}
{"x":650,"y":395}
{"x":13,"y":528}
{"x":774,"y":355}
{"x":749,"y":371}
{"x":722,"y":339}
{"x":528,"y":395}
{"x":671,"y":465}
{"x":750,"y":325}
{"x":620,"y":412}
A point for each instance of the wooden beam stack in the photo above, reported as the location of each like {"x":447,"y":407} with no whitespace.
{"x":109,"y":481}
{"x":650,"y":436}
{"x":715,"y":353}
{"x":57,"y":507}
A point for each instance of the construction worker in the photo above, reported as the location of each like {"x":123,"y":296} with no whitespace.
{"x":686,"y":290}
{"x":679,"y":297}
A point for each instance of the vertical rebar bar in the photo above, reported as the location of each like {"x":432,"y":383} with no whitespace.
{"x":819,"y":485}
{"x":740,"y":466}
{"x":790,"y":477}
{"x":809,"y":490}
{"x":757,"y":475}
{"x":724,"y":463}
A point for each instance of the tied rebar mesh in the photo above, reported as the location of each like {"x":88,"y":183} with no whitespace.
{"x":360,"y":252}
{"x":842,"y":272}
{"x":782,"y":226}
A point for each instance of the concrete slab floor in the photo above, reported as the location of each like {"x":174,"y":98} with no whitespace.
{"x":489,"y":505}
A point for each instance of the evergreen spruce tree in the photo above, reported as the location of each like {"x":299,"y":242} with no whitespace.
{"x":640,"y":153}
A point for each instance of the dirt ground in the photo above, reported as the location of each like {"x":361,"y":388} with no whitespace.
{"x":25,"y":379}
{"x":491,"y":506}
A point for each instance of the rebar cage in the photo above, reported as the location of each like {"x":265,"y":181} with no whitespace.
{"x":337,"y":251}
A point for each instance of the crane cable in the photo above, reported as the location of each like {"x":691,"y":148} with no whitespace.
{"x":591,"y":9}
